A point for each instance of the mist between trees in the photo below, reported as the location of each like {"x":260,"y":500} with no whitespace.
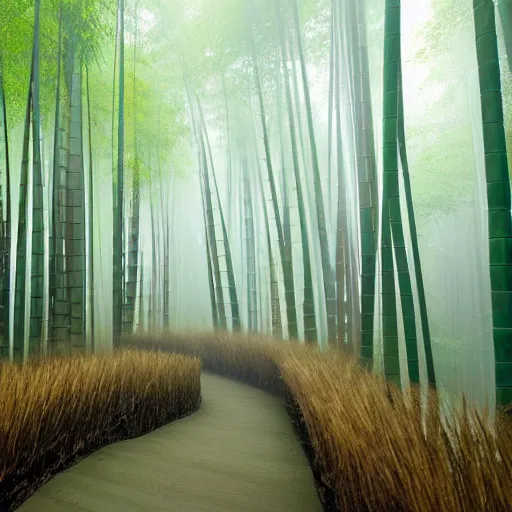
{"x":325,"y":170}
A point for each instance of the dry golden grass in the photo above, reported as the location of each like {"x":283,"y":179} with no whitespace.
{"x":372,"y":448}
{"x":55,"y":411}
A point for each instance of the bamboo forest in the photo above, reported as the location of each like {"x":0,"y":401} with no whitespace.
{"x":266,"y":244}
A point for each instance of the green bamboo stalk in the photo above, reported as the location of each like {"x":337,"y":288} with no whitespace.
{"x":368,"y":192}
{"x":392,"y":64}
{"x":389,"y":314}
{"x":154,"y":261}
{"x":173,"y":288}
{"x":60,"y":309}
{"x":91,"y":338}
{"x":6,"y":224}
{"x":350,"y":42}
{"x":310,"y":333}
{"x":341,"y":273}
{"x":140,"y":326}
{"x":212,"y":237}
{"x":228,"y":155}
{"x":296,"y":98}
{"x":276,"y":321}
{"x":327,"y":270}
{"x":277,"y":329}
{"x":21,"y":346}
{"x":75,"y":204}
{"x":18,"y":348}
{"x":4,"y":169}
{"x":215,"y":281}
{"x":164,"y":238}
{"x":286,"y":262}
{"x":285,"y":196}
{"x":252,"y":310}
{"x":134,"y":225}
{"x":19,"y":352}
{"x":211,"y":284}
{"x":119,"y":194}
{"x":167,"y":290}
{"x":498,"y":195}
{"x":414,"y":237}
{"x":235,"y":311}
{"x":37,"y":256}
{"x":330,"y":107}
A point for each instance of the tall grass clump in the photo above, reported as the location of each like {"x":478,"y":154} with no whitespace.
{"x":371,"y":447}
{"x":55,"y":411}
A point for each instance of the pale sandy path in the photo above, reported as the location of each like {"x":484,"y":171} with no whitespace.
{"x":237,"y":453}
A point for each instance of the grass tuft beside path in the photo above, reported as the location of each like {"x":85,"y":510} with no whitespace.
{"x":371,"y":447}
{"x":53,"y":412}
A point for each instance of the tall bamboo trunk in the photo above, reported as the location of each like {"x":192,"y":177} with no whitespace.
{"x":5,"y":226}
{"x":327,"y":270}
{"x":310,"y":333}
{"x":414,"y":237}
{"x":277,"y":329}
{"x":171,"y":254}
{"x":212,"y":237}
{"x":167,"y":290}
{"x":330,"y":110}
{"x":392,"y":217}
{"x":154,"y":265}
{"x":341,"y":274}
{"x":209,"y":256}
{"x":286,"y":261}
{"x":252,"y":310}
{"x":389,"y":314}
{"x":141,"y":325}
{"x":60,"y":309}
{"x":275,"y":306}
{"x":285,"y":182}
{"x":233,"y":297}
{"x":132,"y":265}
{"x":21,"y":348}
{"x":296,"y":100}
{"x":75,"y":226}
{"x":90,"y":342}
{"x":118,"y":274}
{"x":37,"y":257}
{"x":368,"y":191}
{"x":4,"y":169}
{"x":164,"y":207}
{"x":19,"y":345}
{"x":351,"y":45}
{"x":498,"y":195}
{"x":214,"y":281}
{"x":134,"y":224}
{"x":228,"y":157}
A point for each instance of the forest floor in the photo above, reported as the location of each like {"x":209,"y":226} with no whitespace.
{"x":237,"y":452}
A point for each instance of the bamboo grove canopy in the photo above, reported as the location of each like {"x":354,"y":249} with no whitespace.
{"x":330,"y":171}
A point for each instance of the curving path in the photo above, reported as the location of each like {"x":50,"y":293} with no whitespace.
{"x":237,"y":453}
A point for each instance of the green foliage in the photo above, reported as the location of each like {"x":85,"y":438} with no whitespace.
{"x":445,"y":38}
{"x":89,"y":24}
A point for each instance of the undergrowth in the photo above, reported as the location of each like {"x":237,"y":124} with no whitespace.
{"x":371,"y":447}
{"x":55,"y":411}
